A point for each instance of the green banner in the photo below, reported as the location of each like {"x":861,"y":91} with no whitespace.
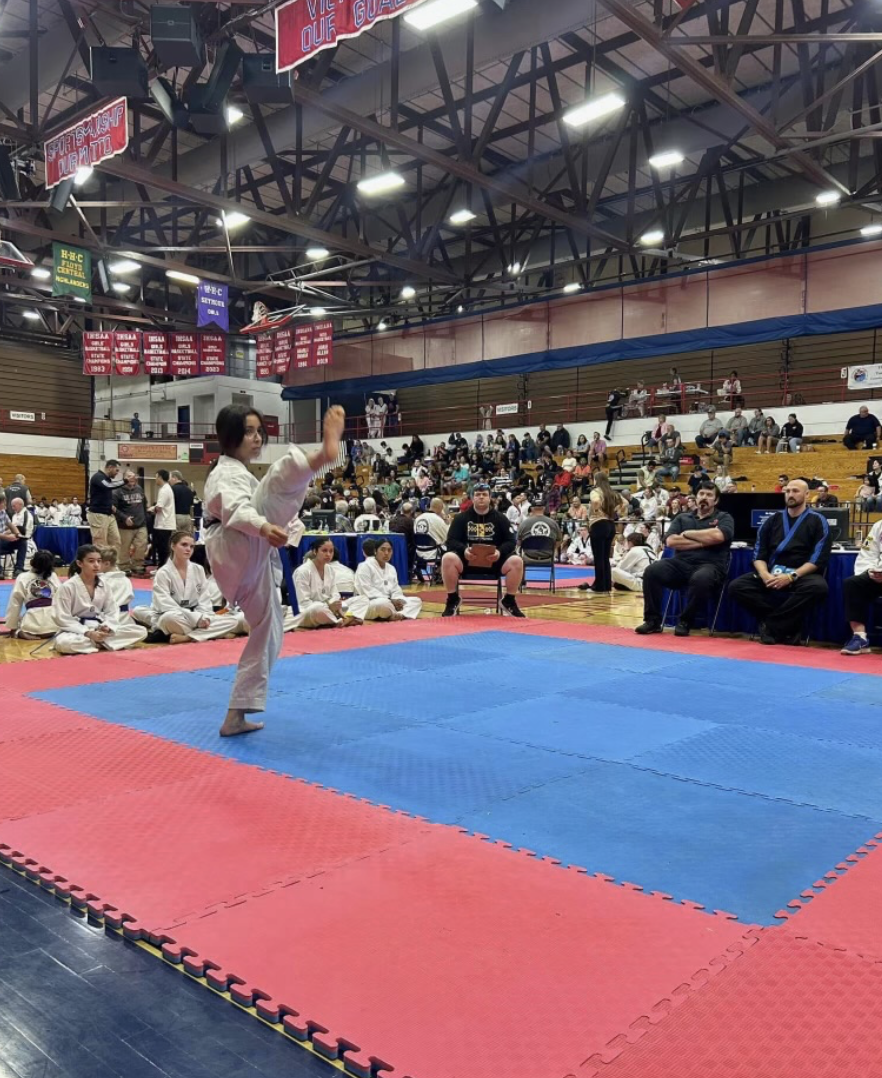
{"x":71,"y":271}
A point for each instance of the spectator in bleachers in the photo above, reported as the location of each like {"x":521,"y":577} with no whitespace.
{"x":481,"y":543}
{"x":582,"y":475}
{"x":663,"y":429}
{"x":529,"y":452}
{"x":628,"y":573}
{"x":637,"y":399}
{"x":754,"y":427}
{"x":671,"y":451}
{"x":709,"y":430}
{"x":674,"y":379}
{"x":768,"y":436}
{"x":577,"y":514}
{"x":792,"y":550}
{"x":791,"y":435}
{"x":698,"y":478}
{"x":485,"y":412}
{"x":378,"y":595}
{"x":721,"y":450}
{"x":581,"y":444}
{"x":597,"y":451}
{"x":862,"y":429}
{"x":731,"y":389}
{"x":860,"y":591}
{"x":646,"y":474}
{"x":737,"y":426}
{"x":700,"y":542}
{"x":543,"y":438}
{"x":29,"y":614}
{"x":560,"y":440}
{"x":867,"y":496}
{"x":11,"y":541}
{"x":86,"y":614}
{"x":569,"y":462}
{"x":368,"y":520}
{"x":824,"y":499}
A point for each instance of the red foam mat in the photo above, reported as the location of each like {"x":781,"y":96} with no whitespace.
{"x":63,"y":671}
{"x":159,"y":854}
{"x":91,"y":763}
{"x":23,"y":717}
{"x":450,"y":957}
{"x":788,"y":1009}
{"x":845,"y":911}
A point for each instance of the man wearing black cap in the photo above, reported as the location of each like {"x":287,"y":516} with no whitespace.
{"x":538,"y":523}
{"x":481,"y":543}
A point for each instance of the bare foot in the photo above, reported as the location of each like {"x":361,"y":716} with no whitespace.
{"x":349,"y":621}
{"x":236,"y":723}
{"x":179,"y":638}
{"x":397,"y":617}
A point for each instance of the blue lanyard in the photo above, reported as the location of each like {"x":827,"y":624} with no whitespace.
{"x":790,"y":527}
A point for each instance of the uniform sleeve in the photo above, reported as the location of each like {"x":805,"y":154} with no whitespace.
{"x":507,"y":547}
{"x":237,"y":510}
{"x":62,"y":610}
{"x":867,"y":559}
{"x":16,"y":601}
{"x":203,"y":601}
{"x":163,"y":602}
{"x":303,"y":586}
{"x":456,"y":536}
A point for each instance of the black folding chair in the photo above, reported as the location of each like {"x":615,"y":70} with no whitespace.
{"x":712,"y":625}
{"x":538,"y":552}
{"x":428,"y":556}
{"x":482,"y":582}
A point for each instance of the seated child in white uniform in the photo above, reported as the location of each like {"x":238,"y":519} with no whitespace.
{"x":29,"y":614}
{"x":182,"y":605}
{"x":629,"y":572}
{"x":86,"y":613}
{"x":318,"y":598}
{"x":578,"y":551}
{"x":118,"y":582}
{"x":378,"y":595}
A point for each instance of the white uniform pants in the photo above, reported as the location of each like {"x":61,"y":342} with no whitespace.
{"x":243,"y":566}
{"x":142,"y":615}
{"x":184,"y":622}
{"x":78,"y":644}
{"x":627,"y":580}
{"x":381,"y":609}
{"x":315,"y":616}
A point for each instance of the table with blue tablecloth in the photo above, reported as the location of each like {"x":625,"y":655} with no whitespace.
{"x":350,"y":549}
{"x":61,"y":541}
{"x":828,"y":624}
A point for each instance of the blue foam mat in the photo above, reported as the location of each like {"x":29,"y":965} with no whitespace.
{"x":528,"y":738}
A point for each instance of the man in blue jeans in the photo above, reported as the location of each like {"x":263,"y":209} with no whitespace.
{"x":11,"y":539}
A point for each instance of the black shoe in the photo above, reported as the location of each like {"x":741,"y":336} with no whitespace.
{"x":156,"y":636}
{"x":682,"y":628}
{"x":648,"y":628}
{"x":584,"y":587}
{"x":510,"y":608}
{"x":451,"y":608}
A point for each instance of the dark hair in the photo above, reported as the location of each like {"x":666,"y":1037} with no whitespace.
{"x":711,"y":486}
{"x":111,"y":464}
{"x":177,"y":536}
{"x":230,"y":426}
{"x":636,"y":539}
{"x":317,"y":544}
{"x":369,"y":546}
{"x":163,"y":474}
{"x":82,"y":552}
{"x":42,"y":563}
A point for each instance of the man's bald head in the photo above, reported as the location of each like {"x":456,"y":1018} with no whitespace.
{"x":795,"y":493}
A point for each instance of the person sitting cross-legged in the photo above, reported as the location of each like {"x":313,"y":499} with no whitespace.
{"x":862,"y":589}
{"x":700,"y":541}
{"x":481,"y":543}
{"x":791,"y":552}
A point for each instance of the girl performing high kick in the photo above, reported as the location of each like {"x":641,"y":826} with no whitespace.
{"x":245,"y":519}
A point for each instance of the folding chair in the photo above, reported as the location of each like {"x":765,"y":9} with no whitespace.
{"x":673,"y":614}
{"x":428,"y":556}
{"x":538,"y":552}
{"x":475,"y":581}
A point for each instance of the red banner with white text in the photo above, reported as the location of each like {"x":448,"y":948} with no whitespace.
{"x":97,"y":353}
{"x":96,"y":137}
{"x":305,"y":27}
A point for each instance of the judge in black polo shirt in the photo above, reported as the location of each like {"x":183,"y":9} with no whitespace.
{"x":792,"y":549}
{"x":700,"y":542}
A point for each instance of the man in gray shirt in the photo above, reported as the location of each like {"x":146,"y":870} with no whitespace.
{"x":754,"y":428}
{"x":130,"y":509}
{"x":537,"y":526}
{"x":737,"y":427}
{"x":710,"y":428}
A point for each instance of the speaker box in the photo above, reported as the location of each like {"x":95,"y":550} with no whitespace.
{"x":8,"y":177}
{"x":261,"y":83}
{"x":167,"y":101}
{"x":176,"y":37}
{"x":119,"y":72}
{"x":60,"y":196}
{"x":205,"y":120}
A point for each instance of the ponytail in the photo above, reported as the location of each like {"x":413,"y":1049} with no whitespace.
{"x":42,"y":564}
{"x":82,"y":552}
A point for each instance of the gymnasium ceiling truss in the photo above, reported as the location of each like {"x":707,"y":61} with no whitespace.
{"x":769,"y":103}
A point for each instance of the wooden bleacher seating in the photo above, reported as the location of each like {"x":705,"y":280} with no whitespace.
{"x":47,"y":477}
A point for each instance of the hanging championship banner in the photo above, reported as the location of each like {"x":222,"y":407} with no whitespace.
{"x":211,"y":305}
{"x":283,"y":350}
{"x":156,"y":352}
{"x":302,"y":347}
{"x":323,"y":344}
{"x":183,"y":354}
{"x":127,"y":352}
{"x":305,"y":27}
{"x":264,"y":363}
{"x":103,"y":134}
{"x":212,"y":353}
{"x":97,"y":352}
{"x":71,"y":271}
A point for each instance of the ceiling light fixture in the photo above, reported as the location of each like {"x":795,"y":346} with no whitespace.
{"x":573,"y":286}
{"x":595,"y":109}
{"x":124,"y":265}
{"x":177,"y":275}
{"x":32,"y":316}
{"x":460,"y":309}
{"x":318,"y":312}
{"x":408,"y":292}
{"x":828,"y":198}
{"x":655,"y":235}
{"x":41,"y":273}
{"x":867,"y":230}
{"x":316,"y":254}
{"x":461,"y":217}
{"x":121,"y":287}
{"x":79,"y":299}
{"x":438,"y":11}
{"x":381,"y":326}
{"x":82,"y":175}
{"x":514,"y":269}
{"x":233,"y":219}
{"x":379,"y":184}
{"x":233,"y":115}
{"x":668,"y":159}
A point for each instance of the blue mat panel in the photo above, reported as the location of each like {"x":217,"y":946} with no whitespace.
{"x":635,"y":659}
{"x":612,"y":732}
{"x":857,"y":690}
{"x":726,"y":850}
{"x":774,"y":677}
{"x":797,"y":769}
